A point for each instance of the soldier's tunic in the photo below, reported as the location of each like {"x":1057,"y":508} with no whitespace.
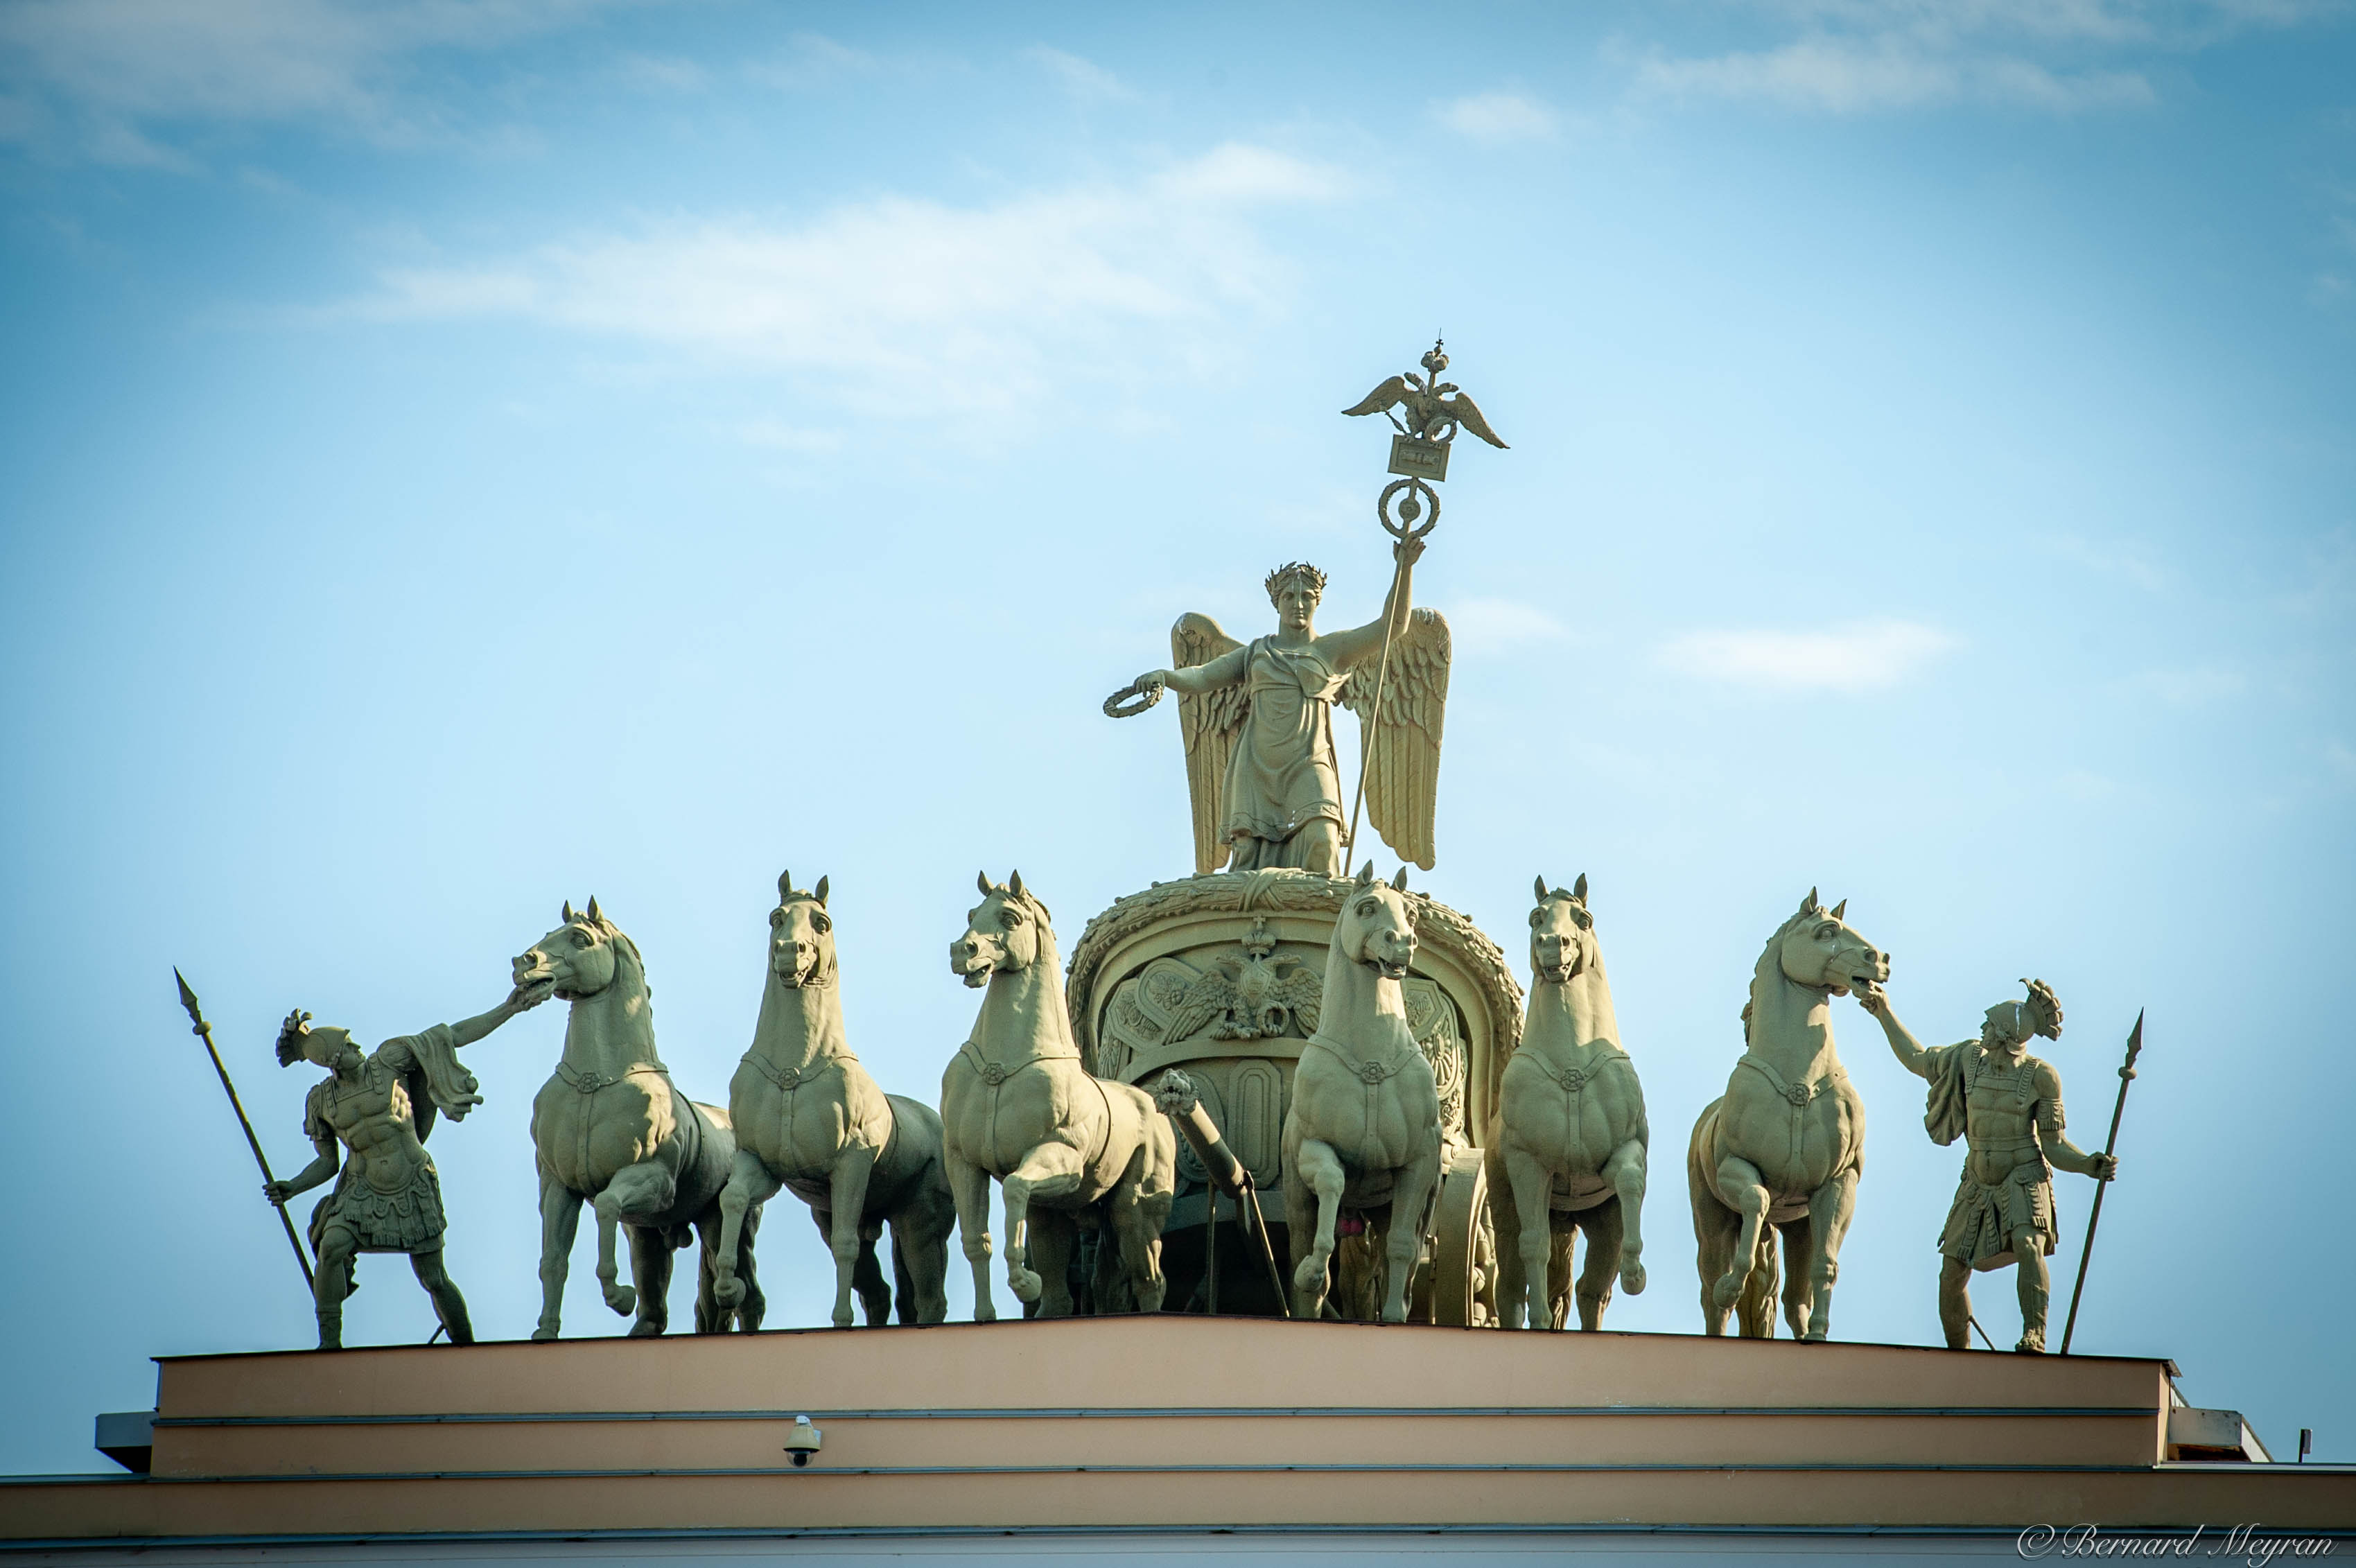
{"x":1282,"y":777}
{"x":2007,"y":1185}
{"x":391,"y":1197}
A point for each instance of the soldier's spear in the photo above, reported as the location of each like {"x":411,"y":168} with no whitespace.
{"x":203,"y":1032}
{"x":2110,"y":1146}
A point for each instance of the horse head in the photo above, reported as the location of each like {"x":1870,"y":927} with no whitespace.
{"x":1562,"y":933}
{"x":802,"y":939}
{"x":1377,"y":929}
{"x":1006,"y":933}
{"x":1819,"y":949}
{"x":579,"y":959}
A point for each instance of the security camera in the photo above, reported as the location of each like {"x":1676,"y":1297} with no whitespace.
{"x":802,"y":1441}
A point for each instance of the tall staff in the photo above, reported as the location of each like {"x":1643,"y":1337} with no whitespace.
{"x":1419,"y":455}
{"x":2110,"y":1146}
{"x":203,"y":1032}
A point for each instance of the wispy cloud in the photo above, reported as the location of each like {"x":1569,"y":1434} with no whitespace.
{"x":1084,"y":79}
{"x":1854,"y":57}
{"x":914,"y":307}
{"x":1482,"y":627}
{"x":1865,"y":656}
{"x":101,"y":79}
{"x":1497,"y":118}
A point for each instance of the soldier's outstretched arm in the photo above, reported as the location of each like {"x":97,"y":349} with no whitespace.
{"x":522,"y":999}
{"x":1903,"y":1043}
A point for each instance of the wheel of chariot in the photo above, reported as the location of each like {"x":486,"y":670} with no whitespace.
{"x":1464,"y":1246}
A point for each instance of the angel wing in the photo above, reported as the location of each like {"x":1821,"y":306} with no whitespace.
{"x":1403,"y":756}
{"x":1388,"y":396}
{"x":1209,"y":723}
{"x":1467,"y":414}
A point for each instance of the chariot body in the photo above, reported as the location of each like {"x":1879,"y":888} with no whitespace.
{"x":1218,"y":974}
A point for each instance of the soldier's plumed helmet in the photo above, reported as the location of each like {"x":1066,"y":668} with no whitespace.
{"x":294,"y":1034}
{"x":1308,"y":576}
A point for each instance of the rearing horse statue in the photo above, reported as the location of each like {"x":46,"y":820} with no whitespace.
{"x":1017,"y":1104}
{"x":810,"y":1119}
{"x":612,"y":1130}
{"x":1571,"y":1135}
{"x":1364,"y":1124}
{"x":1785,"y":1144}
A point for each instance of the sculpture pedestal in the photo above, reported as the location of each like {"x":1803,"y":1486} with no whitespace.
{"x":1169,"y":1424}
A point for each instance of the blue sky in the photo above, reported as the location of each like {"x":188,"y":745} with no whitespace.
{"x":464,"y":457}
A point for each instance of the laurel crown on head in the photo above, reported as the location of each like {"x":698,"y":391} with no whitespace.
{"x":1291,"y":570}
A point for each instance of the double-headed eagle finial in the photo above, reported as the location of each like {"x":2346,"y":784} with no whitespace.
{"x":1432,"y":414}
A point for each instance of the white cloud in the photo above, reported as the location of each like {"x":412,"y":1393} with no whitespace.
{"x":1084,"y":79}
{"x":1481,"y":628}
{"x":1850,"y":57}
{"x":1844,"y":78}
{"x":1865,"y":656}
{"x":112,"y":70}
{"x":909,"y":306}
{"x":1497,"y":118}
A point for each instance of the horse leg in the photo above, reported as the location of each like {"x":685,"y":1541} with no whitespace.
{"x":1744,"y":1190}
{"x":1053,"y":1238}
{"x":1625,"y":1171}
{"x":754,"y":1305}
{"x":969,"y":1190}
{"x":1799,"y":1287}
{"x":1603,"y":1228}
{"x":750,"y":1185}
{"x":1830,"y":1209}
{"x":560,"y":1220}
{"x":920,"y":1253}
{"x":1411,"y":1193}
{"x":1533,"y":1187}
{"x":637,"y":1193}
{"x":1051,"y":1170}
{"x":448,"y":1304}
{"x":1138,"y":1233}
{"x":1317,"y":1176}
{"x":867,"y":1279}
{"x":651,"y":1268}
{"x":847,"y":1189}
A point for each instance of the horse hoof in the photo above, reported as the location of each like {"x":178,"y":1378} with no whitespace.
{"x":985,"y":1313}
{"x":728,"y":1294}
{"x":623,"y":1299}
{"x":1027,"y":1287}
{"x":1727,"y":1292}
{"x":1311,"y":1275}
{"x":1631,"y":1279}
{"x":544,"y":1335}
{"x":644,"y":1330}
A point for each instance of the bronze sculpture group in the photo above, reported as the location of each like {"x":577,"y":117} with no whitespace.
{"x":1345,"y":1088}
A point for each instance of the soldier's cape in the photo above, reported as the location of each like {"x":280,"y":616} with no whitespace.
{"x":1944,"y":1109}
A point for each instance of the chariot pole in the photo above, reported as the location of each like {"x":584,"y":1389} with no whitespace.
{"x":1420,"y":457}
{"x":203,"y":1032}
{"x":2110,"y":1146}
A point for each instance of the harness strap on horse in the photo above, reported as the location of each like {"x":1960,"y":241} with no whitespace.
{"x":1371,"y":1073}
{"x":1800,"y":1095}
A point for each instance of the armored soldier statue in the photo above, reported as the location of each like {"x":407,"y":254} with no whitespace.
{"x":387,"y":1197}
{"x":2006,"y":1107}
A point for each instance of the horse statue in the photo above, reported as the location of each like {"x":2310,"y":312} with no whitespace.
{"x":611,"y":1129}
{"x":808,"y":1118}
{"x":1017,"y":1104}
{"x":1364,"y":1126}
{"x":1785,"y":1144}
{"x":1571,"y":1135}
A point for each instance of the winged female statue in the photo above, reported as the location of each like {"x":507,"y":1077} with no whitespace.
{"x":1258,"y":726}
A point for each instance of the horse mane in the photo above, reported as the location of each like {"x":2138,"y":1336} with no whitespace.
{"x":628,"y":949}
{"x":1769,"y":958}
